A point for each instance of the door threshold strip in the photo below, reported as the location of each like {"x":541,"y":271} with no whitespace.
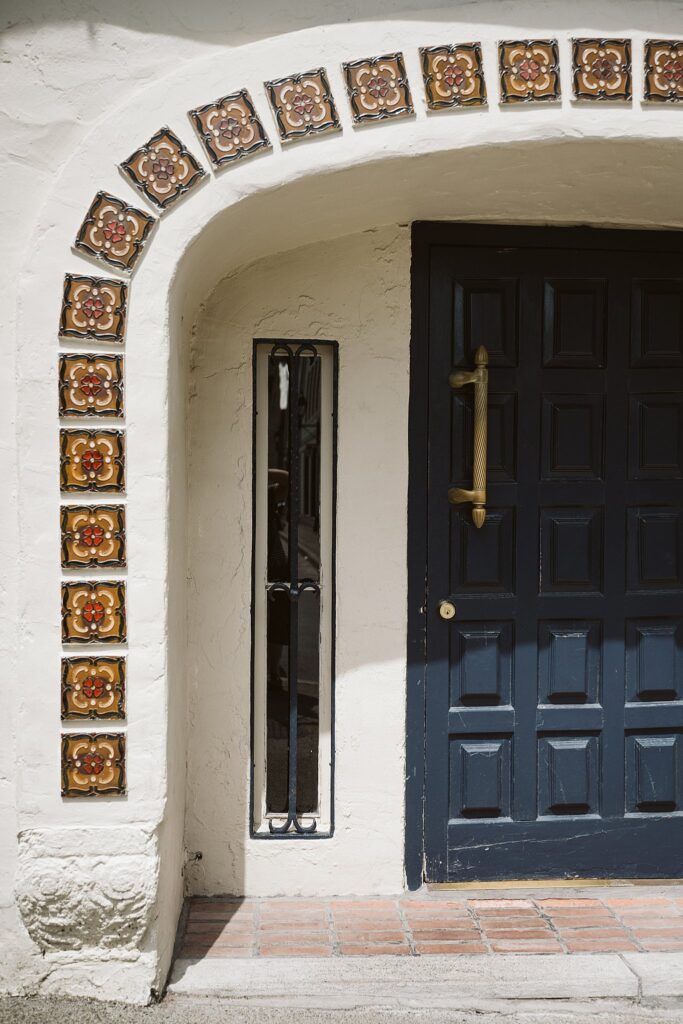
{"x":551,"y":883}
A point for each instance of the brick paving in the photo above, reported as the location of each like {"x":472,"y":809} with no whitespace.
{"x":433,"y":924}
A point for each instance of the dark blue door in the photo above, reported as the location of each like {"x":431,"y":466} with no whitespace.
{"x":554,"y":696}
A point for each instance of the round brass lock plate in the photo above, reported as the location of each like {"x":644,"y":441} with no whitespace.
{"x":446,"y":609}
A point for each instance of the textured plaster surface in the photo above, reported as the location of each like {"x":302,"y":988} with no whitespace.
{"x":355,"y":290}
{"x":81,"y":89}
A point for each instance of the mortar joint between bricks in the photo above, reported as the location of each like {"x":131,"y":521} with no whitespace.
{"x":332,"y":928}
{"x":257,"y":928}
{"x":545,"y":916}
{"x":407,"y":930}
{"x":476,"y":920}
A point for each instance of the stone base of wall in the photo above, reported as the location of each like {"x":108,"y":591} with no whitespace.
{"x":88,"y":892}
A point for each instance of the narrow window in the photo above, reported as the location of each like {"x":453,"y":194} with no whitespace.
{"x":293,"y":595}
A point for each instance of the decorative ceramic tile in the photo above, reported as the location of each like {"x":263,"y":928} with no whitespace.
{"x":90,"y":385}
{"x":453,"y":76}
{"x":93,"y":307}
{"x":93,"y":535}
{"x":163,"y":169}
{"x":92,"y":460}
{"x":94,"y":764}
{"x":664,"y":70}
{"x":93,"y":688}
{"x":230,"y":128}
{"x":114,"y":232}
{"x":529,"y":70}
{"x":303,"y":105}
{"x":93,"y":612}
{"x":602,"y":69}
{"x":378,"y":88}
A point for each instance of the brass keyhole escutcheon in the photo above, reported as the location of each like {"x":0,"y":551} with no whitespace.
{"x":446,"y":610}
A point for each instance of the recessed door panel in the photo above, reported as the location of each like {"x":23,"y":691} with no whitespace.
{"x":569,"y":662}
{"x":568,"y":775}
{"x":657,"y":324}
{"x":486,"y":313}
{"x":571,"y":550}
{"x":656,"y":437}
{"x":572,"y":437}
{"x":481,"y":663}
{"x":574,"y":323}
{"x":655,"y":549}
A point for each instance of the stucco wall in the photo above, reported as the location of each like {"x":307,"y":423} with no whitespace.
{"x":82,"y":87}
{"x":355,"y":290}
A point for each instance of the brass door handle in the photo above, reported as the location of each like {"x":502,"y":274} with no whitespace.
{"x":480,"y":378}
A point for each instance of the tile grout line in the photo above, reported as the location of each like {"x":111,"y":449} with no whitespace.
{"x":476,"y":920}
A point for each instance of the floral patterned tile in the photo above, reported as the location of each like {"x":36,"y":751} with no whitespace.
{"x":93,"y":764}
{"x":93,"y":688}
{"x":664,"y":70}
{"x":162,"y":169}
{"x":93,"y":535}
{"x":93,"y":307}
{"x":453,"y":76}
{"x":602,"y":69}
{"x":303,"y":105}
{"x":90,"y":385}
{"x":378,"y":88}
{"x":93,"y":612}
{"x":92,"y":460}
{"x":114,"y":232}
{"x":529,"y":70}
{"x":230,"y":128}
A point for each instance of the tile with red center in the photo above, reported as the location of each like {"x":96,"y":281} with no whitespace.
{"x":664,"y":70}
{"x":163,"y":170}
{"x":93,"y":307}
{"x":90,"y":385}
{"x":303,"y":105}
{"x":453,"y":76}
{"x":529,"y":70}
{"x":93,"y":535}
{"x":92,"y":460}
{"x":94,"y":611}
{"x":602,"y":69}
{"x":93,"y":764}
{"x":378,"y":88}
{"x":114,"y":232}
{"x":93,"y":688}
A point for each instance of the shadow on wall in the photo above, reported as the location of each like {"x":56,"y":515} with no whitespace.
{"x":212,"y":22}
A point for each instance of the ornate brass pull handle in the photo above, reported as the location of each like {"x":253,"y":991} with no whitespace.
{"x":480,"y":378}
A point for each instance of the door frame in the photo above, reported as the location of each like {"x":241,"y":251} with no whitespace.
{"x":426,"y":235}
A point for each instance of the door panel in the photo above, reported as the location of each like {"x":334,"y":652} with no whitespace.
{"x":554,"y":698}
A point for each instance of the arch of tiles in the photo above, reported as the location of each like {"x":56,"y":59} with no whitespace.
{"x":93,"y":319}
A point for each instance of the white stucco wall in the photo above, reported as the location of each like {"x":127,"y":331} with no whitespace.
{"x":82,"y":88}
{"x":355,"y":290}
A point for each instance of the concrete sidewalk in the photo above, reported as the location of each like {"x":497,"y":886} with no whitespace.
{"x":180,"y":1010}
{"x":438,"y":982}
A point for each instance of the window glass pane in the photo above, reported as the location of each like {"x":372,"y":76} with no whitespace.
{"x":308,"y":709}
{"x":309,"y":467}
{"x":277,"y":702}
{"x":308,"y":704}
{"x":278,"y":469}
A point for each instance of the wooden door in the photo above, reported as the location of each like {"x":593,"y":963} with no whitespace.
{"x":554,"y":697}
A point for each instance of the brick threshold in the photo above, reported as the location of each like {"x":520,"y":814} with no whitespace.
{"x":623,"y":919}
